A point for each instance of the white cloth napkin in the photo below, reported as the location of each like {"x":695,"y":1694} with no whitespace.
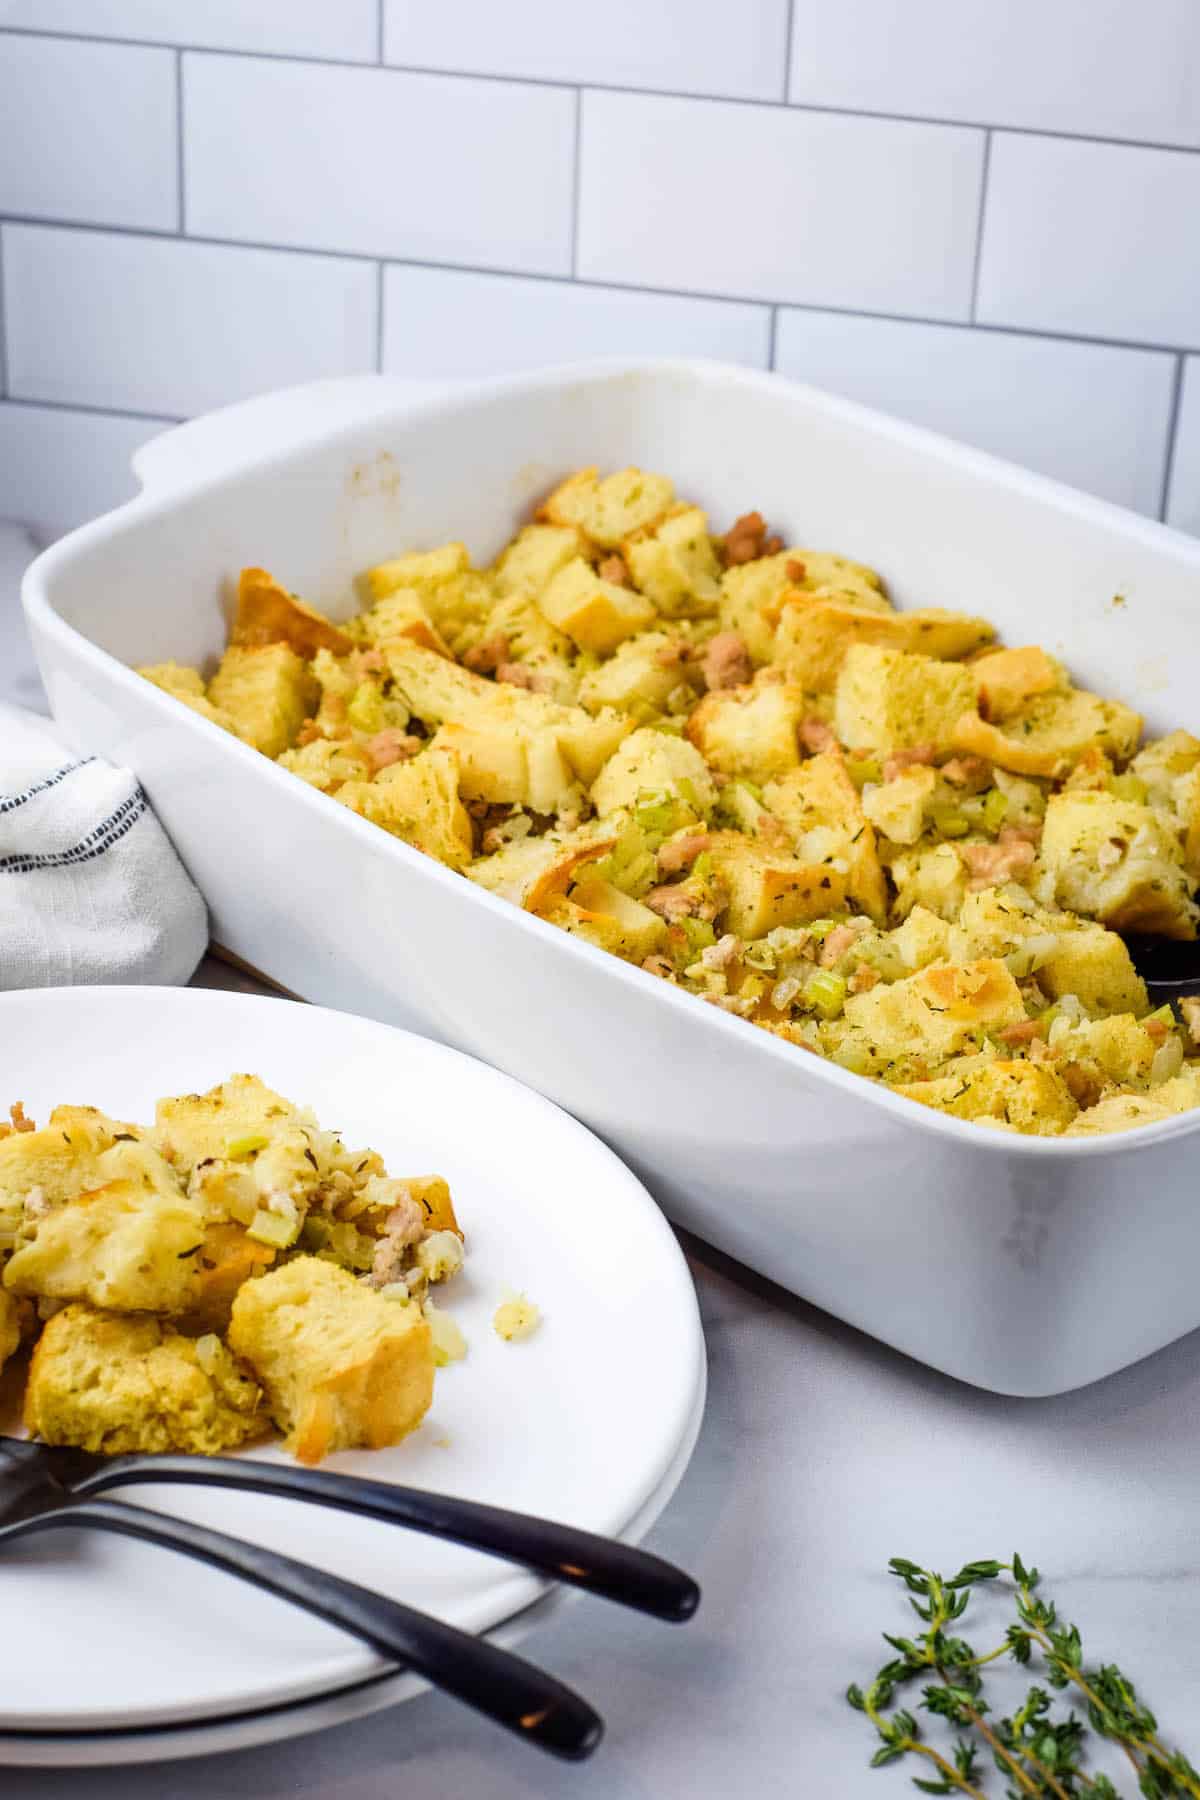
{"x":91,"y":889}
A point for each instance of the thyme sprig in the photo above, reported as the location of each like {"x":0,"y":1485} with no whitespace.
{"x":1038,"y":1753}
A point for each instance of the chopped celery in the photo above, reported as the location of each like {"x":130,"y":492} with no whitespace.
{"x":995,"y":810}
{"x":702,"y":868}
{"x":365,"y":710}
{"x":273,"y":1229}
{"x":1130,"y":787}
{"x":862,"y":769}
{"x":1162,"y":1015}
{"x":246,"y":1146}
{"x":951,"y":823}
{"x":826,"y":993}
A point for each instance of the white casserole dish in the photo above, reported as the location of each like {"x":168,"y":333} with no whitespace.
{"x":1023,"y":1265}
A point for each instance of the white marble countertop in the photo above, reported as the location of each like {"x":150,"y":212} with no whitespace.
{"x":821,"y":1455}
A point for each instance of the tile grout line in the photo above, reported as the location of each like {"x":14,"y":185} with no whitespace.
{"x":379,"y":31}
{"x":789,"y":37}
{"x":984,"y":183}
{"x":179,"y":195}
{"x":614,"y":284}
{"x":134,"y":414}
{"x":798,"y":107}
{"x":1172,"y":435}
{"x":772,"y":337}
{"x":3,"y":326}
{"x":576,"y":183}
{"x":379,"y":268}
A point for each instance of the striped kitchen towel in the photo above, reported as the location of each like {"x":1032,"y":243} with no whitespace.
{"x":91,"y":889}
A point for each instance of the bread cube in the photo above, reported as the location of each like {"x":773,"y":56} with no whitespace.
{"x":432,"y":1195}
{"x":749,"y":604}
{"x":1119,"y":862}
{"x":11,"y":1320}
{"x":1120,"y":1112}
{"x":424,"y":570}
{"x":1162,"y":761}
{"x":238,"y":1118}
{"x":1095,"y":966}
{"x":341,"y":1366}
{"x":608,"y":511}
{"x":889,"y":700}
{"x":326,"y":764}
{"x":653,"y":764}
{"x":123,"y":1247}
{"x":403,"y":613}
{"x":923,"y":938}
{"x":819,"y":795}
{"x":768,"y":887}
{"x":677,"y":568}
{"x":530,"y":636}
{"x":1007,"y":679}
{"x":227,"y":1258}
{"x":117,"y":1385}
{"x":1050,"y":732}
{"x":1030,"y":1097}
{"x":934,"y":879}
{"x":606,"y":917}
{"x":1119,"y":1048}
{"x":941,"y":1010}
{"x":534,"y":557}
{"x":898,"y":807}
{"x":534,"y":872}
{"x":639,"y":678}
{"x":815,"y":634}
{"x":417,"y":801}
{"x":750,"y":730}
{"x":78,"y":1149}
{"x":509,"y":765}
{"x":268,"y":692}
{"x":187,"y":686}
{"x":597,"y":614}
{"x":268,"y":614}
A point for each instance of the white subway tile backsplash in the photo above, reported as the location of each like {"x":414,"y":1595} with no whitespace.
{"x":165,"y":326}
{"x":1104,"y":67}
{"x":69,"y":148}
{"x":1100,"y":240}
{"x":1085,"y":413}
{"x":766,"y":203}
{"x":1183,"y":499}
{"x":686,"y":46}
{"x":448,"y":322}
{"x":340,"y":28}
{"x":372,"y":160}
{"x":59,"y":468}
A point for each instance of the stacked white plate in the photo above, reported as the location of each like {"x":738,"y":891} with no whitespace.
{"x":131,"y":1653}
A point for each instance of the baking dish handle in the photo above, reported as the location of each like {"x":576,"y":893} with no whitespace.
{"x":241,"y":434}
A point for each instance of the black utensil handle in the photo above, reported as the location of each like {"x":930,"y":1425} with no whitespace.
{"x":598,"y":1564}
{"x":513,"y":1692}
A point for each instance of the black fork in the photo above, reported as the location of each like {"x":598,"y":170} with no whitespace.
{"x":43,"y":1487}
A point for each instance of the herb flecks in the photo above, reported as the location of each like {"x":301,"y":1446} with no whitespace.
{"x":1037,"y":1753}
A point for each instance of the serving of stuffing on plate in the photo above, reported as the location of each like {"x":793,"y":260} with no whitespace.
{"x":231,"y":1269}
{"x":877,"y":834}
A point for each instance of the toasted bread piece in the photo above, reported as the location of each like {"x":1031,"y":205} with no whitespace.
{"x":417,"y":801}
{"x":1030,"y":1097}
{"x":1119,"y":862}
{"x":123,"y":1247}
{"x":888,"y":700}
{"x":750,"y":730}
{"x":939,"y":1011}
{"x":267,"y":690}
{"x":608,"y":511}
{"x":341,"y":1366}
{"x":1048,"y":733}
{"x":651,"y":764}
{"x":597,"y":614}
{"x":116,"y":1385}
{"x":815,"y":634}
{"x":268,"y":614}
{"x":819,"y":796}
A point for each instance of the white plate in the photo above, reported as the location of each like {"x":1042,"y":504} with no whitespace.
{"x":584,"y":1422}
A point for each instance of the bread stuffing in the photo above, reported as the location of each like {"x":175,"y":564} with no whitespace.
{"x":878,"y":834}
{"x":231,"y":1269}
